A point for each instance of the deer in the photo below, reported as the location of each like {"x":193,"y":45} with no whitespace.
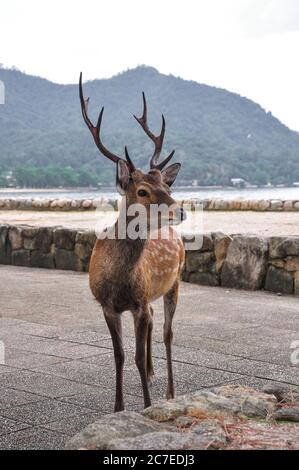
{"x":129,"y":274}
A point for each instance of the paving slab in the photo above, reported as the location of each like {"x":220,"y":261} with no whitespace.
{"x":57,"y":374}
{"x":33,"y":439}
{"x":10,"y":425}
{"x":43,"y":412}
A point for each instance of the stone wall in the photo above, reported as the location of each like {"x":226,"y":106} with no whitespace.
{"x":45,"y":247}
{"x":92,"y":204}
{"x":239,"y":261}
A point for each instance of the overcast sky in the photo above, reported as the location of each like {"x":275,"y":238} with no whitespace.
{"x":246,"y":46}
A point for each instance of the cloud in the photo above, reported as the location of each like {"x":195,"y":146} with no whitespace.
{"x":262,"y":17}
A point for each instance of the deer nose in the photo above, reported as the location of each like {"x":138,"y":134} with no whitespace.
{"x":181,"y":214}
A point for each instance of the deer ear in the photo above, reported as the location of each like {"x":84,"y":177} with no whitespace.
{"x":122,"y":176}
{"x":170,"y":173}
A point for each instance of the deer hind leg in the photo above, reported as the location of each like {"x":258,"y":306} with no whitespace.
{"x":170,"y":302}
{"x":113,"y":321}
{"x":149,"y":359}
{"x":142,"y":320}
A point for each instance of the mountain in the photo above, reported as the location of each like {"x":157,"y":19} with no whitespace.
{"x":217,"y":135}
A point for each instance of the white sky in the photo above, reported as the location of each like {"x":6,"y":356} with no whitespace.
{"x":246,"y":46}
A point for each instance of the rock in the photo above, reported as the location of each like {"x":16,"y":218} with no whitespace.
{"x":296,"y":206}
{"x":245,"y":205}
{"x":66,"y":259}
{"x":29,"y":235}
{"x":198,"y":261}
{"x":115,"y":426}
{"x":204,"y":279}
{"x":221,"y":205}
{"x":15,"y":238}
{"x":44,"y":239}
{"x":296,"y":282}
{"x":185,"y":276}
{"x":246,"y":263}
{"x":263,"y":205}
{"x":165,"y":410}
{"x":206,"y":404}
{"x":279,"y":280}
{"x":64,"y":204}
{"x":251,"y":402}
{"x":224,"y":417}
{"x":87,"y":204}
{"x":183,"y":421}
{"x":84,"y":253}
{"x":212,"y":430}
{"x":283,"y":393}
{"x":292,"y":264}
{"x":278,"y":263}
{"x":167,"y":441}
{"x":206,"y":243}
{"x":64,"y":238}
{"x":37,"y":203}
{"x":281,"y":247}
{"x":20,"y":258}
{"x":29,"y":231}
{"x":276,"y":205}
{"x":42,"y":260}
{"x":288,"y":413}
{"x":288,"y":206}
{"x":74,"y":204}
{"x":222,"y":243}
{"x":54,"y":204}
{"x":86,"y":237}
{"x":46,"y":203}
{"x":5,"y":248}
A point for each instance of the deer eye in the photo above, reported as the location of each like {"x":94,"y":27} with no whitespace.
{"x":142,"y":193}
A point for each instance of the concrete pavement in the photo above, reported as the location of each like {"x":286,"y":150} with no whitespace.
{"x":58,"y":372}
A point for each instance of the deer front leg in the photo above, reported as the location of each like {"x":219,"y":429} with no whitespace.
{"x":149,"y":359}
{"x":113,"y":321}
{"x":170,"y":302}
{"x":142,"y":320}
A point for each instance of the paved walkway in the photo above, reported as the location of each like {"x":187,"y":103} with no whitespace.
{"x":262,"y":223}
{"x":58,"y":373}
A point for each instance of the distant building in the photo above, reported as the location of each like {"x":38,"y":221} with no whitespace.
{"x":10,"y":179}
{"x":238,"y":182}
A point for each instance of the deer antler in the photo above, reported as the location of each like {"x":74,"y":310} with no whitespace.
{"x":158,"y":140}
{"x":95,"y":131}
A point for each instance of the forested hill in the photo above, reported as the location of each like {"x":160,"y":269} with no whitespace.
{"x":217,"y":135}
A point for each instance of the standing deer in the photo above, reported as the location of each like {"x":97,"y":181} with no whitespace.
{"x":128,"y":274}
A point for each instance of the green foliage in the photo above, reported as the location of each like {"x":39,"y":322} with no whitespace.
{"x":53,"y":176}
{"x":217,"y":135}
{"x":2,"y":181}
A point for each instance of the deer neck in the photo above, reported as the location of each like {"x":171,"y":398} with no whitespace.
{"x":129,"y":249}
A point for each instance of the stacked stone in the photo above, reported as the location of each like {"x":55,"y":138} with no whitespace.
{"x":46,"y":247}
{"x":283,"y":271}
{"x":245,"y":262}
{"x":204,"y":266}
{"x":240,"y":261}
{"x":92,"y":204}
{"x":57,"y":204}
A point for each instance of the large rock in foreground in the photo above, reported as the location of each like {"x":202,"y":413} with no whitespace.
{"x":226,"y":417}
